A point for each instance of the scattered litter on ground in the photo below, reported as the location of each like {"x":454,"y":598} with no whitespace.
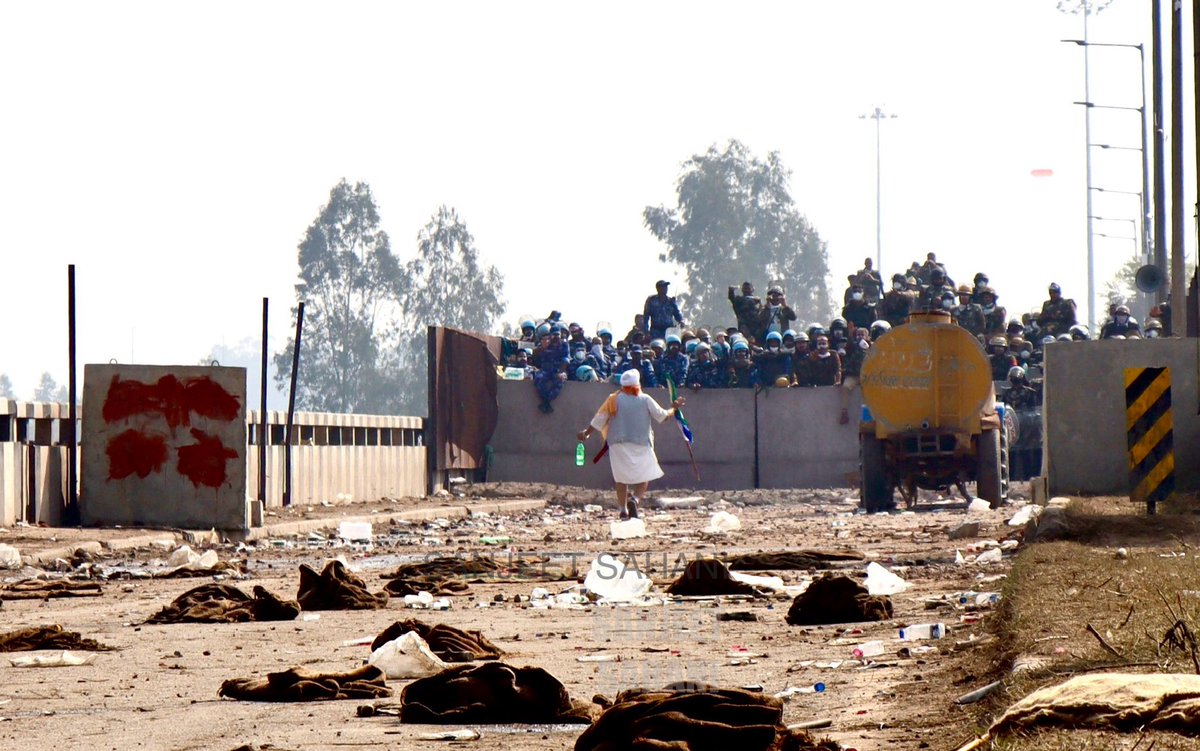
{"x":1025,"y":514}
{"x":627,"y":529}
{"x":355,"y":532}
{"x":991,"y":555}
{"x":978,"y":505}
{"x":965,"y":530}
{"x":610,"y":579}
{"x":52,"y":660}
{"x":10,"y":557}
{"x":722,"y":522}
{"x":880,"y":581}
{"x":425,"y":601}
{"x":406,"y":656}
{"x":465,"y":734}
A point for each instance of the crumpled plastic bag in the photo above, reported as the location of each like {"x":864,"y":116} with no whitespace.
{"x":407,"y":656}
{"x":880,"y":581}
{"x":610,"y":579}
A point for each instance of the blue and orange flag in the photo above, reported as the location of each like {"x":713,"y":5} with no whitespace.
{"x":683,"y":425}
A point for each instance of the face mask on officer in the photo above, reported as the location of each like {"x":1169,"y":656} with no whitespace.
{"x":578,"y":355}
{"x":856,"y":295}
{"x":947,"y":303}
{"x":1122,"y":319}
{"x":1152,"y":334}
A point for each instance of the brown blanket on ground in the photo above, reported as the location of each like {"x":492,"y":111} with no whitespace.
{"x":447,"y":642}
{"x":224,"y":603}
{"x":48,"y":637}
{"x":706,"y":577}
{"x":434,"y":585}
{"x":491,"y":693}
{"x":36,"y":589}
{"x":837,"y":599}
{"x":790,"y":560}
{"x":299,"y":684}
{"x":336,"y":588}
{"x":708,"y":719}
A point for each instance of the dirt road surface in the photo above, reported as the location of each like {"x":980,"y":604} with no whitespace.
{"x":159,"y":689}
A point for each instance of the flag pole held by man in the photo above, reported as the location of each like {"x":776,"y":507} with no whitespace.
{"x":625,"y":422}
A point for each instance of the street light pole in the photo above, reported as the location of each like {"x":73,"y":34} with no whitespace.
{"x":877,"y":116}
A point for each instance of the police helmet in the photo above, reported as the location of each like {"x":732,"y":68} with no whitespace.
{"x":528,"y":323}
{"x":898,"y":278}
{"x":837,"y":323}
{"x":702,"y":347}
{"x":988,"y":291}
{"x":691,"y":345}
{"x":1153,"y":323}
{"x":602,"y":332}
{"x":879,"y":328}
{"x":775,"y":336}
{"x":1122,"y":310}
{"x":657,"y":344}
{"x":980,"y":277}
{"x":789,"y":332}
{"x":1065,"y":338}
{"x":543,"y":330}
{"x":741,"y":346}
{"x":1016,"y":371}
{"x":998,"y":341}
{"x":585,"y":373}
{"x":1079,"y":331}
{"x":673,"y":338}
{"x":782,"y":382}
{"x":964,"y":289}
{"x":1049,"y":340}
{"x":816,"y":331}
{"x":702,"y":333}
{"x":802,"y":337}
{"x":1015,"y":324}
{"x":1054,"y":287}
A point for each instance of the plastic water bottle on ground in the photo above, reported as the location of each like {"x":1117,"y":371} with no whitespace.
{"x":868,"y":649}
{"x":923,"y":631}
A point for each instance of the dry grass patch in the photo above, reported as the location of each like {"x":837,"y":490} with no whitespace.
{"x":1070,"y":608}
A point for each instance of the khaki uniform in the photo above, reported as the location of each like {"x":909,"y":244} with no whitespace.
{"x":1057,"y":317}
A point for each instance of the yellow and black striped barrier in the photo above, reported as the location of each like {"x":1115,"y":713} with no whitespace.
{"x":1149,"y":427}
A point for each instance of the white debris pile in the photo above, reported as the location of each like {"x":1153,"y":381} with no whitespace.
{"x":407,"y":656}
{"x":611,"y":580}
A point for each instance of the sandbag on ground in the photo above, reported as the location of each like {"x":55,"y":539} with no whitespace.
{"x":447,"y":642}
{"x":1120,"y":701}
{"x":299,"y":684}
{"x":707,"y":577}
{"x":491,"y":693}
{"x":837,"y":599}
{"x":336,"y":588}
{"x":224,"y":603}
{"x":48,"y":637}
{"x":791,"y":560}
{"x":707,"y":719}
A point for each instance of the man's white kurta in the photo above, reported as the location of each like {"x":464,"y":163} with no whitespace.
{"x":631,"y":438}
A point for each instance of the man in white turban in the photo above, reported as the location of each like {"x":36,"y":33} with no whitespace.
{"x":625,"y":422}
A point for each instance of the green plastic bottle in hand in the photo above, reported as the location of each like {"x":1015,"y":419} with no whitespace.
{"x":580,"y":454}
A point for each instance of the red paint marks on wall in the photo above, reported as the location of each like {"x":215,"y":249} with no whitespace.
{"x":134,"y":453}
{"x":203,"y":462}
{"x":175,"y":400}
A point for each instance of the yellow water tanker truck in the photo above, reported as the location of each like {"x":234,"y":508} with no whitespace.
{"x":930,"y":417}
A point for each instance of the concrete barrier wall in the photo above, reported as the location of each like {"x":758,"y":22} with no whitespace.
{"x":1084,"y":412}
{"x":792,"y":437}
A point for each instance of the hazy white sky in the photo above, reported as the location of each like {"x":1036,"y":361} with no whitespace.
{"x":177,"y":152}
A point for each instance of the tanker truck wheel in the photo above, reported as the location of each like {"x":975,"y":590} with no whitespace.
{"x":876,"y":489}
{"x":989,"y":472}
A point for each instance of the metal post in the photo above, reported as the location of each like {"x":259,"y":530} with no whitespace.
{"x":1087,"y":141}
{"x":878,"y":197}
{"x":287,"y":430}
{"x":262,"y":417}
{"x":1160,"y":190}
{"x":1147,"y":253}
{"x":71,"y":514}
{"x":1178,"y":282}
